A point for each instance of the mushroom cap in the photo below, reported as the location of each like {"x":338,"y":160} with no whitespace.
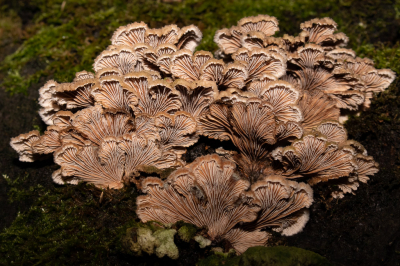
{"x":204,"y":193}
{"x":250,"y":32}
{"x":123,"y":58}
{"x":284,"y":204}
{"x":23,"y":145}
{"x":316,"y":159}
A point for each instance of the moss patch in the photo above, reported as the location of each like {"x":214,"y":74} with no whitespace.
{"x":66,"y":36}
{"x":187,"y":231}
{"x":271,"y":256}
{"x":66,"y":224}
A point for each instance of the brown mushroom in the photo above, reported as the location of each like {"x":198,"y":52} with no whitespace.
{"x":176,"y":131}
{"x":189,"y":37}
{"x":261,"y":63}
{"x":316,"y":159}
{"x":142,"y":151}
{"x":23,"y":145}
{"x":204,"y":194}
{"x":241,"y":239}
{"x":112,"y":93}
{"x":153,"y":96}
{"x":249,"y":125}
{"x":49,"y":142}
{"x":284,"y":205}
{"x":229,"y":40}
{"x":317,"y":107}
{"x":165,"y":35}
{"x":186,"y":66}
{"x":283,"y":97}
{"x":130,"y":34}
{"x":373,"y":80}
{"x":96,"y":124}
{"x":123,"y":58}
{"x":75,"y":95}
{"x":321,"y":32}
{"x":103,"y":167}
{"x":196,"y":96}
{"x":315,"y":72}
{"x":232,"y":75}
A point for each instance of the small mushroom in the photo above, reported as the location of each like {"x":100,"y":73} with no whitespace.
{"x":258,"y":27}
{"x":261,"y":63}
{"x":123,"y":58}
{"x":24,"y":145}
{"x":153,"y":96}
{"x":321,"y":32}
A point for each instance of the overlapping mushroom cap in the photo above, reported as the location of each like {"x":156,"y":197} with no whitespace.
{"x":207,"y":193}
{"x":315,"y":58}
{"x":262,"y":26}
{"x":277,"y":101}
{"x":325,"y":154}
{"x":135,"y":47}
{"x":124,"y":122}
{"x":255,"y":124}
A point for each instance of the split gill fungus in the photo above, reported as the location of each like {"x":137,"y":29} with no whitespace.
{"x":280,"y":102}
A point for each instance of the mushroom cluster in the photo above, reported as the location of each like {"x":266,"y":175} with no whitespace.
{"x":280,"y":102}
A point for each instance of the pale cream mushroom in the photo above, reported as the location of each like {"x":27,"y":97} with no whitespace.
{"x":321,"y":32}
{"x":229,"y":40}
{"x":123,"y":58}
{"x":48,"y":102}
{"x":23,"y":145}
{"x":83,"y":75}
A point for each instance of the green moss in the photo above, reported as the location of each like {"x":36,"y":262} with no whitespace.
{"x":384,"y":56}
{"x":65,"y":38}
{"x":219,"y":258}
{"x":271,"y":256}
{"x":213,"y":260}
{"x":281,"y":256}
{"x":65,"y":224}
{"x":187,"y":232}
